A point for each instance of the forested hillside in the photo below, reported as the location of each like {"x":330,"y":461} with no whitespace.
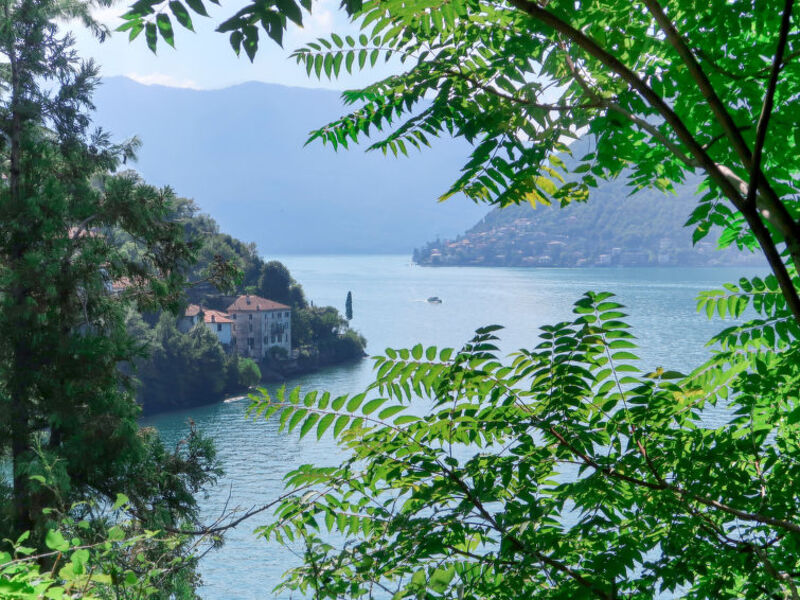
{"x":613,"y":228}
{"x":190,"y":369}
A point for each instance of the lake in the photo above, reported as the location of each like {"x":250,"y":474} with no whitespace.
{"x":390,"y":309}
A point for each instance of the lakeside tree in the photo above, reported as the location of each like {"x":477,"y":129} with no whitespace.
{"x":68,"y":418}
{"x":348,"y":306}
{"x":591,"y":479}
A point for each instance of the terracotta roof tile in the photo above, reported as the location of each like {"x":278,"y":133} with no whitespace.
{"x":216,"y":316}
{"x":255,"y":303}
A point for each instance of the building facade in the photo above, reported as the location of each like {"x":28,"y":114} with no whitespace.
{"x":260,"y":325}
{"x":191,"y":316}
{"x":217,"y":322}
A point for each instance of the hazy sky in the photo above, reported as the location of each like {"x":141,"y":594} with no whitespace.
{"x":205,"y":59}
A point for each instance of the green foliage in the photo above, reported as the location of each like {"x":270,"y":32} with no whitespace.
{"x":68,"y":416}
{"x":127,"y":562}
{"x":348,"y":306}
{"x":62,"y":322}
{"x":276,"y":283}
{"x":152,"y":16}
{"x":249,"y":373}
{"x":184,"y":369}
{"x":564,"y":473}
{"x":322,"y":331}
{"x":130,"y":548}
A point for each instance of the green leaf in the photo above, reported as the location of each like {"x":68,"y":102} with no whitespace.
{"x":251,"y":43}
{"x":390,"y":411}
{"x":296,"y":418}
{"x":165,"y":28}
{"x":236,"y":41}
{"x":440,"y":580}
{"x":136,"y":27}
{"x":181,"y":14}
{"x":121,"y":500}
{"x":405,"y":420}
{"x":308,"y":424}
{"x":341,"y":423}
{"x":290,"y":10}
{"x":151,"y":35}
{"x":371,"y":406}
{"x":198,"y":7}
{"x":324,"y":424}
{"x":355,"y":402}
{"x":55,"y":541}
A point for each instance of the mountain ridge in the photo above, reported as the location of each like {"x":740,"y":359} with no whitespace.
{"x":239,"y":152}
{"x":613,"y":228}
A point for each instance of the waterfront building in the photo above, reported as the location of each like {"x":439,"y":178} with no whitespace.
{"x":259,"y":325}
{"x":217,"y":322}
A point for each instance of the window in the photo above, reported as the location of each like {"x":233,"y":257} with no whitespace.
{"x":286,"y":315}
{"x":250,"y":342}
{"x":251,"y":317}
{"x":219,"y":327}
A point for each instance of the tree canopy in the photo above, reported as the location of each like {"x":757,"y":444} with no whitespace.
{"x":68,"y":416}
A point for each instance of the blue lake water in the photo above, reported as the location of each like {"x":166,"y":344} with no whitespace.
{"x":389,"y":309}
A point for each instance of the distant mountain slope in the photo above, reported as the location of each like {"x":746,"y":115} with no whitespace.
{"x":612,"y":228}
{"x":239,"y":153}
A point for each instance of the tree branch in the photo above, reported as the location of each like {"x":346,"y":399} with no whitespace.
{"x":654,"y":132}
{"x":788,"y":228}
{"x":769,"y":97}
{"x":774,"y":206}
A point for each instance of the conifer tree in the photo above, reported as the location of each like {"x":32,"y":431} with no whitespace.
{"x":67,"y":414}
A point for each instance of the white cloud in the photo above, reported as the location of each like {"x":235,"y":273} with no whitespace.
{"x":109,"y":15}
{"x":162,"y":79}
{"x":320,"y":23}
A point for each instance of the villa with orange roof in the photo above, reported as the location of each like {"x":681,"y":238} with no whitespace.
{"x":252,"y":325}
{"x":217,"y":322}
{"x":259,"y":325}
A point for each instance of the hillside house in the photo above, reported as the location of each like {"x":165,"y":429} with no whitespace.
{"x":217,"y":322}
{"x":220,"y":324}
{"x":191,"y":316}
{"x":259,"y":325}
